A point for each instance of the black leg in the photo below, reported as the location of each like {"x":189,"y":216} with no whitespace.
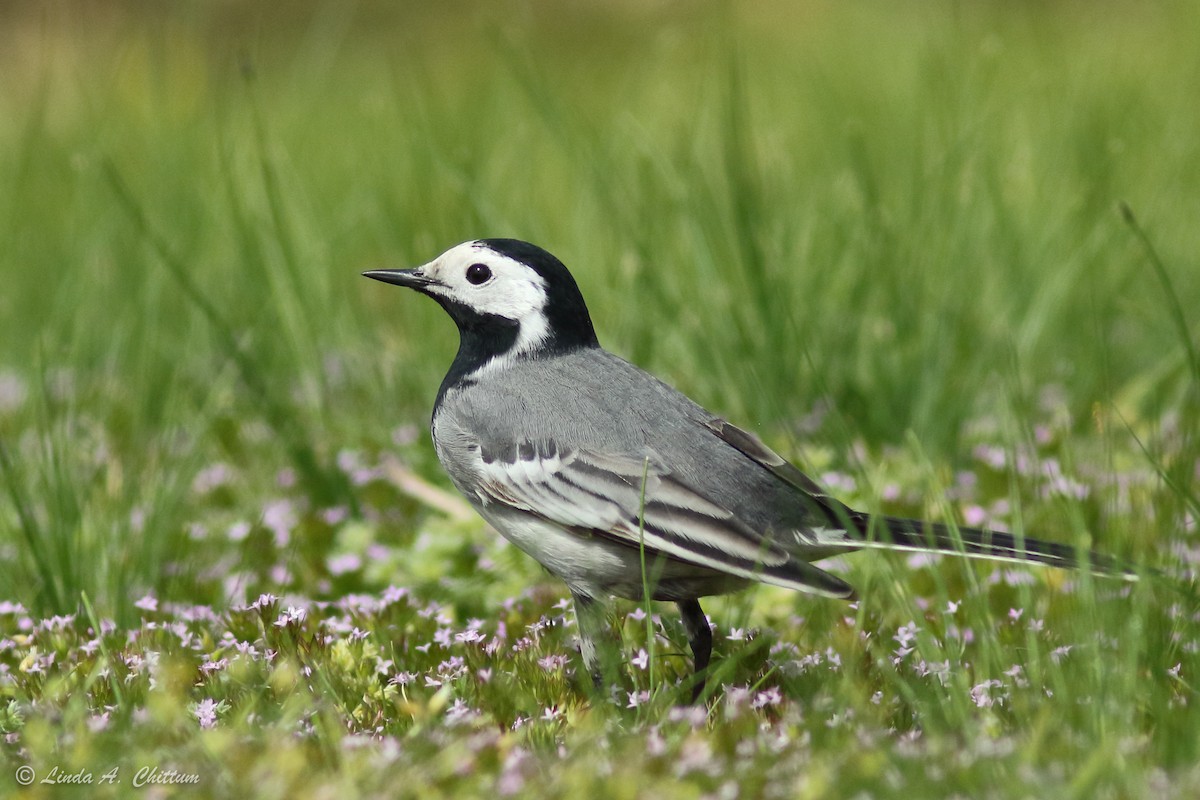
{"x":700,"y":638}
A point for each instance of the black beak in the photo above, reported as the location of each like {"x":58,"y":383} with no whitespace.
{"x":412,"y":278}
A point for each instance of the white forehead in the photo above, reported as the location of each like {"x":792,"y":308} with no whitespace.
{"x":454,"y":262}
{"x":463,"y":254}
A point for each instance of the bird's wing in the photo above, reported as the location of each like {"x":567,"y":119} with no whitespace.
{"x":634,"y":501}
{"x":841,"y":518}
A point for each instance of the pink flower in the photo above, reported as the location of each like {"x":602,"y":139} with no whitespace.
{"x":552,"y":662}
{"x":638,"y":698}
{"x":470,"y":636}
{"x":342,"y":564}
{"x":402,"y":678}
{"x":981,"y":694}
{"x":767,"y":697}
{"x":906,"y":634}
{"x":206,"y":713}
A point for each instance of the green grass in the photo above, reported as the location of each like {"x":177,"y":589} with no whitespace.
{"x":886,"y":237}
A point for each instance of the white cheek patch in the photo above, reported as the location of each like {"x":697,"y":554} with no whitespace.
{"x":535,"y":329}
{"x":516,"y":292}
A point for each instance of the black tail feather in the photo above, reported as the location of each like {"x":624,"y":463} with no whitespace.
{"x":895,"y":533}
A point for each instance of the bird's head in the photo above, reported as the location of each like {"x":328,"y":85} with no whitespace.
{"x":507,"y":297}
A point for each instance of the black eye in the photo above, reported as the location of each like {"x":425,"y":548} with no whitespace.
{"x":478,"y":273}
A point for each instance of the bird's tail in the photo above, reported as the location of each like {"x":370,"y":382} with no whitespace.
{"x":895,"y":533}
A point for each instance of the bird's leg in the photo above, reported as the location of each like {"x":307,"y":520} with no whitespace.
{"x":700,"y":638}
{"x":595,"y":642}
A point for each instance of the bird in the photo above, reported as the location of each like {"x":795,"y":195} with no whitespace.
{"x":620,"y":485}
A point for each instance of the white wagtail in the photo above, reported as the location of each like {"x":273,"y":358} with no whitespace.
{"x":597,"y":468}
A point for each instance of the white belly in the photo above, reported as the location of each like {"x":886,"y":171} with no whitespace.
{"x":595,"y":567}
{"x":587,"y":564}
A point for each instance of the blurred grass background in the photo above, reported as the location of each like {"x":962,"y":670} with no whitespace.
{"x":902,"y":212}
{"x":859,"y":229}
